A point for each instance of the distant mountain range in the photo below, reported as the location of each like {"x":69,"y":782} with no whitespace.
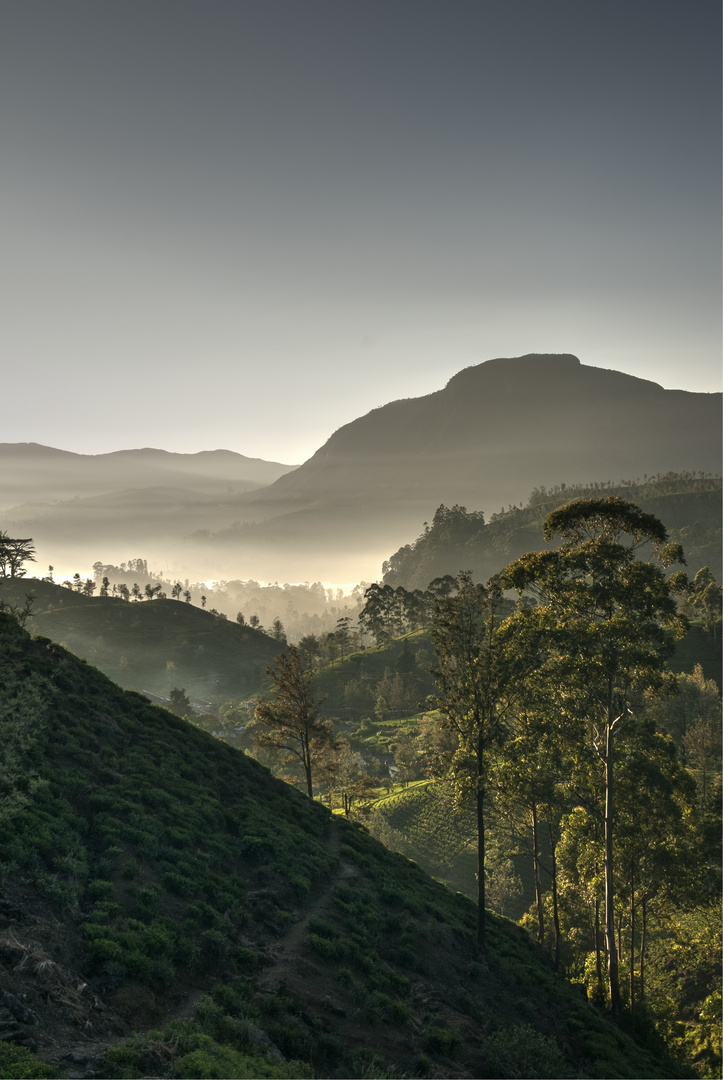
{"x":31,"y":473}
{"x":495,"y":432}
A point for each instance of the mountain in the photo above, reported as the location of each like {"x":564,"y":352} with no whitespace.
{"x":495,"y":432}
{"x":31,"y":473}
{"x":79,"y":507}
{"x":169,"y":909}
{"x":491,"y":435}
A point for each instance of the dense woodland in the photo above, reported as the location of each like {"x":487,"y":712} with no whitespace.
{"x":539,"y":729}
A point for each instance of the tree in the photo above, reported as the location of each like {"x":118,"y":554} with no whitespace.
{"x":21,"y":614}
{"x":611,"y":620}
{"x":292,"y":716}
{"x":343,"y":635}
{"x":180,"y":703}
{"x":528,"y":791}
{"x":351,"y":780}
{"x":705,"y":599}
{"x":13,"y":553}
{"x":480,"y":662}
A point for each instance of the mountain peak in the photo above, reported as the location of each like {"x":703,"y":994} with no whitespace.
{"x":531,"y":364}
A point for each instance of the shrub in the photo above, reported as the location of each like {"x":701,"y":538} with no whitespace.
{"x":17,"y":1063}
{"x":522,"y":1051}
{"x":441,"y":1040}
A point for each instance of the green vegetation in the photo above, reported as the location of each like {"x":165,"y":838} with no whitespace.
{"x":151,"y":646}
{"x":688,"y":504}
{"x":203,"y":919}
{"x":153,"y":866}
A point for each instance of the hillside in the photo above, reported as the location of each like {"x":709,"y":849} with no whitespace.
{"x":688,"y":505}
{"x":157,"y":882}
{"x":153,"y":645}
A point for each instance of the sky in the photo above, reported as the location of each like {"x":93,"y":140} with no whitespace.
{"x":244,"y":223}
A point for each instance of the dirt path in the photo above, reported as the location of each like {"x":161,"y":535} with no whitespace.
{"x":283,"y":958}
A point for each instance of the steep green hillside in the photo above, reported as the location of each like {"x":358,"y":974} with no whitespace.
{"x":152,"y":645}
{"x":171,"y":910}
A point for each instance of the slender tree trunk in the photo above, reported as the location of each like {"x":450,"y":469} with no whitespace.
{"x":613,"y":976}
{"x":555,"y":909}
{"x":538,"y":883}
{"x":598,"y":960}
{"x":641,"y":964}
{"x":632,"y":944}
{"x":307,"y":767}
{"x":480,"y":840}
{"x":480,"y":868}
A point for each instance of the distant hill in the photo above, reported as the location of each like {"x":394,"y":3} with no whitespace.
{"x":150,"y":645}
{"x":495,"y":432}
{"x":31,"y":473}
{"x":83,"y":507}
{"x":171,"y":910}
{"x":689,"y":506}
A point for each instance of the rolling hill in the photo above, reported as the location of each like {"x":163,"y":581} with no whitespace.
{"x":154,"y":645}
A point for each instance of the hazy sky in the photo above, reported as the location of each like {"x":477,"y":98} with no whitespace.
{"x":243,"y":223}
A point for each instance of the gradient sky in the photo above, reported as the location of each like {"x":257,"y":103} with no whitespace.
{"x":243,"y":223}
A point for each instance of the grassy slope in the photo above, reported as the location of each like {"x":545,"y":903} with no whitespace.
{"x":134,"y":643}
{"x":152,"y":862}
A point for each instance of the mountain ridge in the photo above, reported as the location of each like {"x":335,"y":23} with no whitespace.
{"x":486,"y":439}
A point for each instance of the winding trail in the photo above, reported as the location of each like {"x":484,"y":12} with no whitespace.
{"x":284,"y":957}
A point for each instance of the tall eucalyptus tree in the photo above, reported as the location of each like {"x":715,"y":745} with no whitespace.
{"x":610,"y":620}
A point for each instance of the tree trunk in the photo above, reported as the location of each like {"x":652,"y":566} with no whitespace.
{"x":598,"y":961}
{"x":480,"y":868}
{"x":641,"y":964}
{"x":555,"y":910}
{"x":613,"y":976}
{"x":632,"y":944}
{"x":307,"y":770}
{"x":538,"y":883}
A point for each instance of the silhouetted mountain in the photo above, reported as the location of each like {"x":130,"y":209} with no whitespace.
{"x":492,"y":434}
{"x":31,"y":473}
{"x":495,"y":432}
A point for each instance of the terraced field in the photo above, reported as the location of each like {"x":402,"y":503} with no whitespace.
{"x":420,"y":822}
